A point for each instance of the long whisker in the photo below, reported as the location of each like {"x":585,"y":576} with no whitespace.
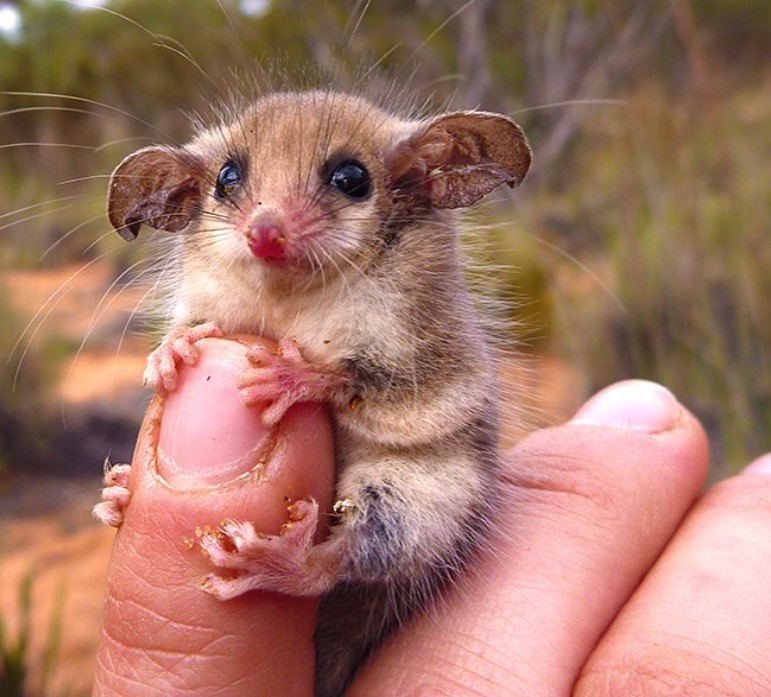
{"x":121,"y":141}
{"x":233,"y":28}
{"x":152,"y":289}
{"x":102,"y":306}
{"x":83,"y":100}
{"x":182,"y":53}
{"x":77,"y":180}
{"x":101,"y":237}
{"x":40,"y":205}
{"x":378,"y":63}
{"x":40,"y":317}
{"x":73,"y":110}
{"x":586,"y":269}
{"x":570,"y":102}
{"x":37,"y":143}
{"x":352,"y":29}
{"x":36,"y":216}
{"x":68,"y":234}
{"x":428,"y":39}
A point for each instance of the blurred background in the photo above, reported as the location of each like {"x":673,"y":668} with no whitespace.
{"x":638,"y":247}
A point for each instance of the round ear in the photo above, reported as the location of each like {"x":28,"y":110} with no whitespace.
{"x":456,"y":159}
{"x":157,"y":186}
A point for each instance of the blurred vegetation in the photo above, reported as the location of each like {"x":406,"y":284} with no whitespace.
{"x":640,"y":240}
{"x":23,"y":435}
{"x":22,"y":675}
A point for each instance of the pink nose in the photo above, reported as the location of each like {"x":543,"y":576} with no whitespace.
{"x":267,"y":240}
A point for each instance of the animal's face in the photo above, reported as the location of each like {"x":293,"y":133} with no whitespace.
{"x":313,"y":182}
{"x":299,"y":183}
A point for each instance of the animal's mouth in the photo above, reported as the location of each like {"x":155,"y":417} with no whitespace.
{"x":284,"y":246}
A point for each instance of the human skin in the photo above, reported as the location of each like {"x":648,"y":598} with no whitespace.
{"x":612,"y":574}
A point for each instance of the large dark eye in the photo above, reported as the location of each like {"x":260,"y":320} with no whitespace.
{"x":352,"y":179}
{"x":227,"y":180}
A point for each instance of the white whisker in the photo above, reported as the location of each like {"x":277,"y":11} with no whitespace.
{"x":68,"y":234}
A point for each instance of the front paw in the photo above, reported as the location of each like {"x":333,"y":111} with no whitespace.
{"x":282,"y":378}
{"x":115,"y":495}
{"x":161,"y":371}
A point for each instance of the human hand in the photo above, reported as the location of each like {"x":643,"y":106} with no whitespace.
{"x":616,"y":575}
{"x":564,"y":600}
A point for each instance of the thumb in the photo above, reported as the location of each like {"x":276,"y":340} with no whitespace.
{"x":201,"y":458}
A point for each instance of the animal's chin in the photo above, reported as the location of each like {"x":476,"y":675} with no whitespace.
{"x":287,"y":264}
{"x":277,"y":263}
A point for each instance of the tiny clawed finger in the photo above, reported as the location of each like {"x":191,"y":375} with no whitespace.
{"x":185,"y":351}
{"x":259,"y":353}
{"x":701,"y":621}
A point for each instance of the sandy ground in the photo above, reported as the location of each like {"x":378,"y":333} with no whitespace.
{"x":45,"y":524}
{"x":66,"y":553}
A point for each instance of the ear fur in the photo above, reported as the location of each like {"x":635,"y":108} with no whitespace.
{"x":157,"y":186}
{"x":456,"y":159}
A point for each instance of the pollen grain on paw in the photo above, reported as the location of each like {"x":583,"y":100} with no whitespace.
{"x":206,"y":531}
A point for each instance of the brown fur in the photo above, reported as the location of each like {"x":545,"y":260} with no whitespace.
{"x":372,"y":291}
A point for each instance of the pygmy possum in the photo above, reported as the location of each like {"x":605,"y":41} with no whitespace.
{"x":330,"y":225}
